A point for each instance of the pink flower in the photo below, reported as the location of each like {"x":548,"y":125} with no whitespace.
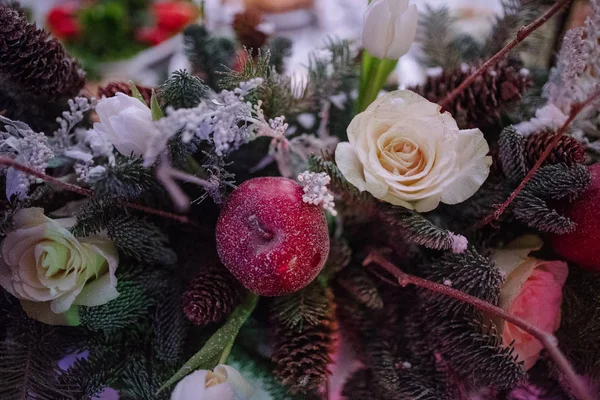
{"x":532,"y":291}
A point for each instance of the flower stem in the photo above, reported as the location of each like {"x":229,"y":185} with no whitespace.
{"x":9,"y":162}
{"x":522,"y":34}
{"x":548,"y":340}
{"x":575,"y":110}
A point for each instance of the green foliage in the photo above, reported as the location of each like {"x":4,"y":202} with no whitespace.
{"x":361,"y":286}
{"x":182,"y":90}
{"x":512,"y":154}
{"x":170,"y":327}
{"x":94,"y":216}
{"x":140,"y":239}
{"x":29,"y":361}
{"x":208,"y":54}
{"x":141,"y":377}
{"x":307,"y":306}
{"x":127,"y":179}
{"x":260,"y":369}
{"x":436,"y":36}
{"x":280,"y":49}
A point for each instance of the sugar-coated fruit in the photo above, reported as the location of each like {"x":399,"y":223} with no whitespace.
{"x":270,"y":240}
{"x":582,"y":246}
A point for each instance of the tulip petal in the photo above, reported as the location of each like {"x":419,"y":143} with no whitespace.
{"x":473,"y":167}
{"x":242,"y":389}
{"x":191,"y":387}
{"x":350,"y":165}
{"x":405,"y":29}
{"x":377,"y":29}
{"x":397,"y":7}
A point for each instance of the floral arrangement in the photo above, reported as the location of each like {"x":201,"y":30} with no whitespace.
{"x":237,"y":234}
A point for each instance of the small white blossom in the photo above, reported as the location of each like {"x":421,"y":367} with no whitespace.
{"x":69,"y":120}
{"x":315,"y":190}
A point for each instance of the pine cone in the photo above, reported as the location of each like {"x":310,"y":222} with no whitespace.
{"x":246,"y":25}
{"x":211,"y":296}
{"x":301,"y":357}
{"x":111,"y":89}
{"x":33,"y":61}
{"x":482,"y":103}
{"x":568,"y":150}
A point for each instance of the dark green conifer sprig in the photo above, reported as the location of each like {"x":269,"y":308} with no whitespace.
{"x":359,"y":284}
{"x":170,"y":327}
{"x":436,"y":35}
{"x":280,"y":49}
{"x":512,"y":154}
{"x":94,"y":216}
{"x":182,"y":90}
{"x":127,"y":179}
{"x":360,"y":386}
{"x":306,"y":307}
{"x":208,"y":54}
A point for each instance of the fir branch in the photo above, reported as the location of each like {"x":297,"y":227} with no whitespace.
{"x":436,"y":35}
{"x":558,"y":181}
{"x":127,"y":179}
{"x":512,"y":153}
{"x":361,"y":286}
{"x":94,"y":216}
{"x":546,"y":339}
{"x":170,"y":328}
{"x":534,"y":211}
{"x":307,"y":307}
{"x":419,"y":230}
{"x":140,"y":239}
{"x":280,"y":49}
{"x":182,"y":90}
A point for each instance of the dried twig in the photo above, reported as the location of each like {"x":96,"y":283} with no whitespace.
{"x":548,"y":340}
{"x":9,"y":162}
{"x":522,"y":34}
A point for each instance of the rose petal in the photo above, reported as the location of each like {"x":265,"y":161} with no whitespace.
{"x":350,"y":165}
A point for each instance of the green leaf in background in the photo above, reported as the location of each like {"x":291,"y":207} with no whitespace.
{"x":217,"y":348}
{"x":155,"y":107}
{"x":135,"y":92}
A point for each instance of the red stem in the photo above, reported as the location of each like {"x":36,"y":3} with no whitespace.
{"x":522,"y":34}
{"x":9,"y":162}
{"x":548,"y":340}
{"x":575,"y":110}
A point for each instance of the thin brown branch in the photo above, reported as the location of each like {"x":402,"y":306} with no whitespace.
{"x":9,"y":162}
{"x":548,"y":340}
{"x":522,"y":34}
{"x":575,"y":110}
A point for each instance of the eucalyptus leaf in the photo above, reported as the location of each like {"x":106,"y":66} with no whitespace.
{"x":219,"y":343}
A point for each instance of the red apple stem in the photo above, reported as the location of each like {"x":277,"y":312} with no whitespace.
{"x":9,"y":162}
{"x":575,"y":110}
{"x":522,"y":34}
{"x":548,"y":340}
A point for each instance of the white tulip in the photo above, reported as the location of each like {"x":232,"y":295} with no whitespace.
{"x":223,"y":383}
{"x":127,"y":123}
{"x":389,"y":28}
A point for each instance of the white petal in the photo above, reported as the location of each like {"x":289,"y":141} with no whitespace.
{"x":427,"y":204}
{"x":405,"y":29}
{"x":376,"y":29}
{"x":375,"y":185}
{"x":397,"y":201}
{"x":473,"y":167}
{"x":350,"y":165}
{"x":397,"y":7}
{"x":241,"y":388}
{"x":192,"y":387}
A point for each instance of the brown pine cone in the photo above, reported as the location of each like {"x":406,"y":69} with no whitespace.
{"x":302,"y":357}
{"x":482,"y":103}
{"x":111,"y":89}
{"x":211,"y":296}
{"x":568,"y":150}
{"x":34,"y":62}
{"x":245,"y":25}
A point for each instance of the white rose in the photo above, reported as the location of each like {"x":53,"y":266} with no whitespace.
{"x":225,"y":383}
{"x":389,"y":28}
{"x":127,"y":123}
{"x":49,"y":269}
{"x":403,"y":151}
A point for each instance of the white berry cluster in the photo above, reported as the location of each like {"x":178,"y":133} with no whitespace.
{"x":315,"y":190}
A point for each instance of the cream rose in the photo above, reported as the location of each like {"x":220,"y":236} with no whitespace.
{"x":532,"y":291}
{"x":50,"y":270}
{"x":404,"y":151}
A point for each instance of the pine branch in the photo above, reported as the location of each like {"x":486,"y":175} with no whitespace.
{"x":182,"y":90}
{"x":127,"y":180}
{"x":140,"y":239}
{"x":361,"y":286}
{"x":280,"y":49}
{"x":170,"y":327}
{"x":298,"y":310}
{"x":436,"y":37}
{"x":537,"y":214}
{"x":512,"y":154}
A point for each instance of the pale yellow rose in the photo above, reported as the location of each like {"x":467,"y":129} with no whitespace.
{"x":49,"y":270}
{"x":404,"y":151}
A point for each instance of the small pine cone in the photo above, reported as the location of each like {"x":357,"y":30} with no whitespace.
{"x":34,"y":62}
{"x":246,"y":27}
{"x":211,"y":296}
{"x":301,"y":358}
{"x":111,"y":89}
{"x":481,"y":104}
{"x":568,"y":150}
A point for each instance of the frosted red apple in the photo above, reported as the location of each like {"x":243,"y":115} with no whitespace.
{"x":582,"y":246}
{"x":270,"y":240}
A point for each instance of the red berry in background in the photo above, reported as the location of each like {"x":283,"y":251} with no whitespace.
{"x":582,"y":246}
{"x":62,"y":22}
{"x":173,"y":16}
{"x":270,"y":240}
{"x":152,"y":35}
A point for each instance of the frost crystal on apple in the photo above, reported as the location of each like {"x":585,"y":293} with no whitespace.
{"x":315,"y":190}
